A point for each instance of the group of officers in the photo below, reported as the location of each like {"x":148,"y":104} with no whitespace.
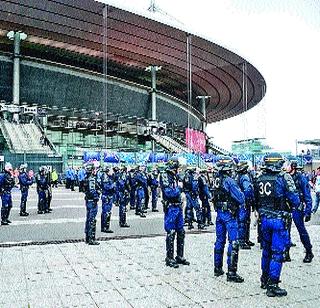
{"x":25,"y":179}
{"x":275,"y":194}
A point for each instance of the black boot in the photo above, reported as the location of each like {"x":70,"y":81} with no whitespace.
{"x":24,"y":214}
{"x":309,"y":256}
{"x":264,"y":281}
{"x":200,"y":226}
{"x":218,"y":271}
{"x":286,"y":257}
{"x":92,"y":234}
{"x":106,"y":228}
{"x":190,"y":226}
{"x":23,"y":208}
{"x":122,"y":222}
{"x":170,"y":248}
{"x":273,"y":290}
{"x":244,"y":245}
{"x":180,"y":248}
{"x":248,"y":242}
{"x":233,"y":267}
{"x":234,"y":277}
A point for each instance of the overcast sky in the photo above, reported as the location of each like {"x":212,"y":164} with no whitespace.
{"x":281,"y":38}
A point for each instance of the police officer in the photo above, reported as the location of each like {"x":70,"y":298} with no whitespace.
{"x":141,"y":184}
{"x":116,"y":172}
{"x":302,"y":213}
{"x":205,"y":197}
{"x":25,"y":182}
{"x":173,"y":215}
{"x":42,"y":190}
{"x":70,"y":178}
{"x":273,"y":188}
{"x":6,"y":185}
{"x":123,"y":188}
{"x":92,"y":193}
{"x":244,"y":218}
{"x":191,"y":190}
{"x":131,"y":175}
{"x":154,"y":184}
{"x":228,"y":198}
{"x":108,"y":188}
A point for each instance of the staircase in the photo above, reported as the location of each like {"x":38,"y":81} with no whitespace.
{"x":24,"y":138}
{"x":216,"y":149}
{"x":170,"y":144}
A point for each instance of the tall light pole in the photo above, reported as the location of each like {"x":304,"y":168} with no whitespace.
{"x":16,"y":37}
{"x":153,"y":69}
{"x":203,"y":100}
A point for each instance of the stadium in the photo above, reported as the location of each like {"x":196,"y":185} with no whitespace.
{"x":79,"y":76}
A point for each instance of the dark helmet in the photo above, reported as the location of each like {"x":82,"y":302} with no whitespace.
{"x":295,"y":164}
{"x":116,"y":169}
{"x":173,"y":163}
{"x":23,"y":167}
{"x":89,"y":167}
{"x":224,"y":164}
{"x":242,"y":166}
{"x":273,"y":162}
{"x":42,"y":169}
{"x":106,"y":168}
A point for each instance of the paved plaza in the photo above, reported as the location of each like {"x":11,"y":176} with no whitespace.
{"x":127,"y":269}
{"x":131,"y":273}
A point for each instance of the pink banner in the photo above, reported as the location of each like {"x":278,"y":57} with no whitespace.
{"x":196,"y":140}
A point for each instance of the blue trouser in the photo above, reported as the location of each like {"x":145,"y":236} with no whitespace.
{"x":298,"y":218}
{"x":123,"y":201}
{"x":226,"y":223}
{"x":154,"y":197}
{"x":275,"y":241}
{"x":133,"y":197}
{"x":24,"y":198}
{"x":173,"y":223}
{"x":106,"y":208}
{"x":6,"y":199}
{"x":193,"y":203}
{"x":42,"y":201}
{"x":243,"y":217}
{"x":140,"y":199}
{"x":92,"y":210}
{"x":206,"y":210}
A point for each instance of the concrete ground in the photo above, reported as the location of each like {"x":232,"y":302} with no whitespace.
{"x":130,"y":272}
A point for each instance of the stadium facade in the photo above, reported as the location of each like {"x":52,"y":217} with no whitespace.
{"x":80,"y":74}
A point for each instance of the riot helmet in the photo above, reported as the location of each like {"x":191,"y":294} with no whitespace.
{"x":273,"y":162}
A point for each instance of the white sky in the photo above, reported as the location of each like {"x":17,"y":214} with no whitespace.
{"x":281,"y":38}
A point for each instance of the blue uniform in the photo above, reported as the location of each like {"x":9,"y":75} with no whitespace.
{"x":81,"y":177}
{"x":132,"y":183}
{"x":205,"y":197}
{"x":303,"y":209}
{"x":272,"y":191}
{"x":6,"y":185}
{"x":154,"y":184}
{"x":70,"y":177}
{"x":141,"y":186}
{"x":228,"y":198}
{"x":43,"y":193}
{"x":92,"y":195}
{"x":108,"y":188}
{"x":191,"y":189}
{"x":244,"y":216}
{"x":173,"y":216}
{"x":123,"y":188}
{"x":25,"y":183}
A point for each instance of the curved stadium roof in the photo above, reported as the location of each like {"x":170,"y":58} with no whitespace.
{"x":92,"y":30}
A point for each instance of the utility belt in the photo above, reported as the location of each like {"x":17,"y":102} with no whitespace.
{"x":285,"y":216}
{"x":166,"y":204}
{"x":225,"y":206}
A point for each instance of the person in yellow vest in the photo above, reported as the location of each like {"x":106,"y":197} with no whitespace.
{"x":54,"y":178}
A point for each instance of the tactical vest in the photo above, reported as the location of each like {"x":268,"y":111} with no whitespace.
{"x":90,"y":184}
{"x":219,"y":193}
{"x":266,"y":194}
{"x":171,"y":181}
{"x":297,"y":181}
{"x":8,"y":182}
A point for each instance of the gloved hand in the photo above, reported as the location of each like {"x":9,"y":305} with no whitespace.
{"x":307,"y":218}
